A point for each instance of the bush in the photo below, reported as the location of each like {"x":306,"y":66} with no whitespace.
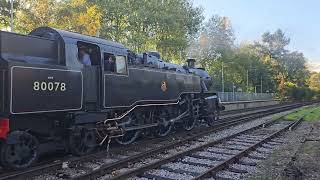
{"x":293,"y":92}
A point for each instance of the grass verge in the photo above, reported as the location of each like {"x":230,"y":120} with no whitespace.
{"x":309,"y":114}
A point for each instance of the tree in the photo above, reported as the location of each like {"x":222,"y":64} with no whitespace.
{"x":165,"y":26}
{"x":248,"y":66}
{"x":294,"y":64}
{"x":216,"y":39}
{"x":275,"y":43}
{"x":287,"y":68}
{"x":5,"y":7}
{"x":214,"y":46}
{"x":219,"y":30}
{"x":272,"y":52}
{"x":314,"y":81}
{"x":36,"y":13}
{"x":79,"y":16}
{"x":114,"y":18}
{"x":72,"y":15}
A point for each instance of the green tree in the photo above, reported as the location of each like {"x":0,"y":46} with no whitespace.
{"x":78,"y":16}
{"x":314,"y":81}
{"x":275,"y":43}
{"x":36,"y":13}
{"x":294,"y":64}
{"x":248,"y":68}
{"x":214,"y":46}
{"x":72,"y":15}
{"x":165,"y":26}
{"x":5,"y":7}
{"x":287,"y":68}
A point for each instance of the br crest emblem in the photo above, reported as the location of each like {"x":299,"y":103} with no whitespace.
{"x":164,"y":86}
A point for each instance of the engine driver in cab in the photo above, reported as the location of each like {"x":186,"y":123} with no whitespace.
{"x":109,"y":63}
{"x":84,"y":57}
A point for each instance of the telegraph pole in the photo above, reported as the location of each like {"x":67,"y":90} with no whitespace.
{"x":233,"y":91}
{"x":247,"y":80}
{"x":261,"y":83}
{"x":222,"y":78}
{"x":11,"y":15}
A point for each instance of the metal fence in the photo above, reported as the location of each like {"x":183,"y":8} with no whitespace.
{"x":241,"y":96}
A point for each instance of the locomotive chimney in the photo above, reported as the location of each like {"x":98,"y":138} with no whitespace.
{"x":191,"y":63}
{"x":145,"y":58}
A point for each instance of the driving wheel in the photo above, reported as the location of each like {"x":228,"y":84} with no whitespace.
{"x":129,"y":136}
{"x":21,"y":152}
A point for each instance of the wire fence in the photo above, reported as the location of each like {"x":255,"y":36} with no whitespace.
{"x":241,"y":96}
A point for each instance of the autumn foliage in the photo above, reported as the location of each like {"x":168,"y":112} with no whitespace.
{"x":177,"y":29}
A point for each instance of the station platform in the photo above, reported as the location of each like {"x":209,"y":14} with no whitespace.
{"x":237,"y":105}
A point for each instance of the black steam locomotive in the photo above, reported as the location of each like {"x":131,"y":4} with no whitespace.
{"x":47,"y":94}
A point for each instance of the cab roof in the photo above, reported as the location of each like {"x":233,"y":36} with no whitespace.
{"x":58,"y":34}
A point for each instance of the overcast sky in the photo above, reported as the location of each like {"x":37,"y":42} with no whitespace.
{"x":250,"y":18}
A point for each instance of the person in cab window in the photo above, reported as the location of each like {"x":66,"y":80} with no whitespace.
{"x":84,"y":57}
{"x":109,"y":64}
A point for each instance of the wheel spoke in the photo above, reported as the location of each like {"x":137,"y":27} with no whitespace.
{"x":162,"y":117}
{"x":129,"y":136}
{"x":82,"y":143}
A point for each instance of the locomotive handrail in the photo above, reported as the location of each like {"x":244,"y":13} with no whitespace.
{"x":142,"y":105}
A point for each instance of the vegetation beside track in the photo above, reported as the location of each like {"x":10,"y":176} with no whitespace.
{"x":310,"y":114}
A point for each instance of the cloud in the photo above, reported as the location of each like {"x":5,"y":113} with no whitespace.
{"x":315,"y":67}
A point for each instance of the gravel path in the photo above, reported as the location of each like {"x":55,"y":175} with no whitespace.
{"x":282,"y":162}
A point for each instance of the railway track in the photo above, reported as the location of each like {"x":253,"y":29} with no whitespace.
{"x":219,"y":159}
{"x":138,"y":153}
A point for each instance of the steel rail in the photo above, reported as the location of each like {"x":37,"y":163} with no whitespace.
{"x":171,"y":158}
{"x":243,"y":153}
{"x":109,"y":167}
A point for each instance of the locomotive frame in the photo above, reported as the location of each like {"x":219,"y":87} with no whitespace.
{"x":48,"y":95}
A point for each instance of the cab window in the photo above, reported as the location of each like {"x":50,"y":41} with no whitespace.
{"x":121,"y":65}
{"x":88,"y":54}
{"x":109,"y":62}
{"x":115,"y":64}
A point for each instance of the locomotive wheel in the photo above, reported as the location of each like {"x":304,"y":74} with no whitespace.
{"x":22,"y":152}
{"x":129,"y":136}
{"x":212,"y":118}
{"x":82,"y":142}
{"x":165,"y":126}
{"x":190,"y":122}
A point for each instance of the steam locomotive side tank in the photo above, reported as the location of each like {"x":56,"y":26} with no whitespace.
{"x":48,"y":95}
